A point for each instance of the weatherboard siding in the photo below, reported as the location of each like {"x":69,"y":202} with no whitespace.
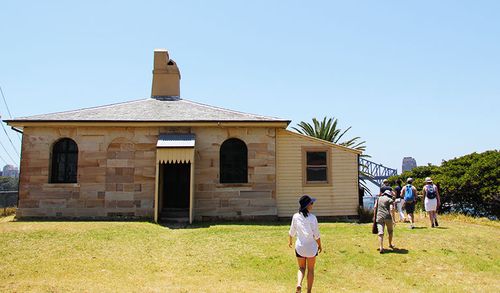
{"x":340,"y":198}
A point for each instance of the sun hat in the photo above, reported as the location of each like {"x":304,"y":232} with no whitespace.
{"x":388,"y":193}
{"x":428,"y":180}
{"x":409,"y":180}
{"x":305,"y":200}
{"x":385,"y":181}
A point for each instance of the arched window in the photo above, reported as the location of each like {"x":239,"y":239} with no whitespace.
{"x":233,"y":161}
{"x":64,"y":161}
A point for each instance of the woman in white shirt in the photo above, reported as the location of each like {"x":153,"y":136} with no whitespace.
{"x":308,"y":245}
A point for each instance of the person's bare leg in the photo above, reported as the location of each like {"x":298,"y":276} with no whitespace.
{"x":381,"y":242}
{"x":311,"y":261}
{"x":412,"y":219}
{"x":390,"y":238}
{"x":431,"y":218}
{"x":302,"y":270}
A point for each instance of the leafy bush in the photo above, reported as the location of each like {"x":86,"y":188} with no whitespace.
{"x":468,"y":184}
{"x":8,"y":183}
{"x":365,"y":215}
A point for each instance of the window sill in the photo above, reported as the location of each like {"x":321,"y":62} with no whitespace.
{"x":222,"y":185}
{"x":62,"y":185}
{"x":316,"y":184}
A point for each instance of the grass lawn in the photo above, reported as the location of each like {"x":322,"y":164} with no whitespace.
{"x":461,"y":256}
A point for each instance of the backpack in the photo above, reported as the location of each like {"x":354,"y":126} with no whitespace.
{"x":431,"y":192}
{"x":409,"y":196}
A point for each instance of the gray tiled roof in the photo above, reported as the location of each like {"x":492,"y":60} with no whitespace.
{"x":150,"y":109}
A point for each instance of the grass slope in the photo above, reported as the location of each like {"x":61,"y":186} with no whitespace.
{"x":462,"y":256}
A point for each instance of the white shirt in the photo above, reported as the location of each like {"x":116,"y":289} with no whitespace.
{"x":307,"y":232}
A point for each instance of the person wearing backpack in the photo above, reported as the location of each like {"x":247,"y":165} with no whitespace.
{"x":409,"y":194}
{"x":431,"y":201}
{"x":399,"y":201}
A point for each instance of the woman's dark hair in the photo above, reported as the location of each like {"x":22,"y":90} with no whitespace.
{"x":399,"y":182}
{"x":304,"y":202}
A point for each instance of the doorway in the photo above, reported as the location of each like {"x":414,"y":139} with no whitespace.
{"x":175,"y":182}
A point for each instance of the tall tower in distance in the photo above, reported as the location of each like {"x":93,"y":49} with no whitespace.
{"x":408,"y":164}
{"x":10,"y":171}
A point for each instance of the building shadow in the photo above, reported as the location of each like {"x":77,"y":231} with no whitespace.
{"x":208,"y":224}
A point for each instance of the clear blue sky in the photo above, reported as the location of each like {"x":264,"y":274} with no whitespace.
{"x":412,"y":78}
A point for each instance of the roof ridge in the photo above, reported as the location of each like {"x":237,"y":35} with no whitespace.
{"x":83,"y":109}
{"x":231,"y":111}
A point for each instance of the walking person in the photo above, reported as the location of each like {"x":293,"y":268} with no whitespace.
{"x":308,"y":244}
{"x":384,"y":217}
{"x":409,"y":194}
{"x":385,"y":186}
{"x":431,"y":201}
{"x":399,"y":201}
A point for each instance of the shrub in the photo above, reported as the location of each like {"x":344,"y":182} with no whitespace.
{"x":469,"y":185}
{"x":365,"y":215}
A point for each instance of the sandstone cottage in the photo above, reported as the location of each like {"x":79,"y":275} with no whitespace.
{"x":166,"y":157}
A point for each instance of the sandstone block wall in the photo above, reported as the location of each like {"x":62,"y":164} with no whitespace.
{"x":254,"y":199}
{"x":116,"y":173}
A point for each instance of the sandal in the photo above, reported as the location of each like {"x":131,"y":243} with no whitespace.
{"x":392,"y":246}
{"x":298,"y":290}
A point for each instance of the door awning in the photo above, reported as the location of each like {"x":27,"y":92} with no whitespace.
{"x":176,"y":140}
{"x":175,"y":148}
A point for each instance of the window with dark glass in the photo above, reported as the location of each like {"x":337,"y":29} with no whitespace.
{"x":317,"y":166}
{"x":64,"y":161}
{"x":233,"y":161}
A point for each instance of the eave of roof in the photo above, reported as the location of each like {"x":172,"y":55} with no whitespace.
{"x":149,"y":111}
{"x":324,"y":142}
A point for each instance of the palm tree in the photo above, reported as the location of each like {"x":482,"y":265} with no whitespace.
{"x":328,"y":130}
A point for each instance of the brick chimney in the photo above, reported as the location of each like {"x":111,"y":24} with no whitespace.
{"x":166,"y":76}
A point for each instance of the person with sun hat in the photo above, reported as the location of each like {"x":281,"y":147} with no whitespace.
{"x":308,"y":244}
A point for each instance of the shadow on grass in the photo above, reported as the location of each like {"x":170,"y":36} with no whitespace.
{"x":396,"y":251}
{"x":202,"y":225}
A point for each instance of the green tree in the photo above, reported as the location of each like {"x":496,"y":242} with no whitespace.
{"x":328,"y":130}
{"x":8,"y":183}
{"x":469,"y":184}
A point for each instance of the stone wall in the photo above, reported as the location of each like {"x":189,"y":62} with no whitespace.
{"x":116,"y":173}
{"x":254,"y":199}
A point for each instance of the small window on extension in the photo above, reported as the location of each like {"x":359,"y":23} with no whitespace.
{"x":316,"y":166}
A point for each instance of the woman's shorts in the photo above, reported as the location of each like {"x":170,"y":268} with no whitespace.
{"x":410,"y":207}
{"x":430,"y":205}
{"x":380,"y":227}
{"x":298,"y":255}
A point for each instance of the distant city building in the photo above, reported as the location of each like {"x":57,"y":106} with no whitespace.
{"x":10,"y":171}
{"x":408,"y":164}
